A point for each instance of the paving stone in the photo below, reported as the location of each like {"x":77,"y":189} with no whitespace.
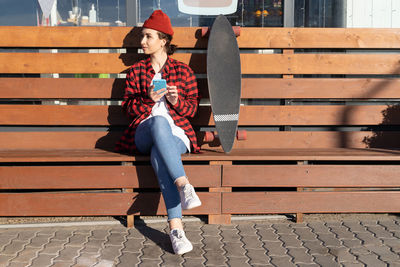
{"x":169,"y":259}
{"x":352,"y":264}
{"x":298,"y":225}
{"x":305,"y":234}
{"x":91,"y":250}
{"x":316,"y":247}
{"x":258,"y":256}
{"x":100,"y":234}
{"x":39,"y":241}
{"x":194,"y":236}
{"x":342,"y":233}
{"x":369,"y":222}
{"x":68,"y":254}
{"x":329,"y":240}
{"x":110,"y":253}
{"x":282,"y":261}
{"x":275,"y":248}
{"x":63,"y":235}
{"x":234,"y":249}
{"x":62,"y":264}
{"x":394,"y":244}
{"x":300,"y":255}
{"x":210,"y":230}
{"x":5,"y":259}
{"x":342,"y":254}
{"x":318,"y":227}
{"x":215,"y":257}
{"x":359,"y":251}
{"x":9,"y":232}
{"x":351,"y":243}
{"x":105,"y":263}
{"x":119,"y":229}
{"x":27,"y":254}
{"x":86,"y":259}
{"x":371,"y":260}
{"x":384,"y":253}
{"x":116,"y":239}
{"x":308,"y":265}
{"x":5,"y":240}
{"x":252,"y":242}
{"x":368,"y":239}
{"x":290,"y":241}
{"x":354,"y":226}
{"x":83,"y":231}
{"x":380,"y":232}
{"x":151,"y":252}
{"x":246,"y":230}
{"x":237,"y":261}
{"x":95,"y":243}
{"x":133,"y":245}
{"x":212,"y":243}
{"x":189,"y":262}
{"x":43,"y":260}
{"x":196,"y":253}
{"x":282,"y":228}
{"x":333,"y":224}
{"x":155,"y":237}
{"x":18,"y":264}
{"x":14,"y":247}
{"x":227,"y":227}
{"x":26,"y":234}
{"x":77,"y":240}
{"x":195,"y":226}
{"x":51,"y":231}
{"x":391,"y":226}
{"x":230,"y":236}
{"x":129,"y":259}
{"x":267,"y":234}
{"x":325,"y":260}
{"x":53,"y":247}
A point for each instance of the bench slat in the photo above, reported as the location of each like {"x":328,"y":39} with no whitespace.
{"x":251,"y":63}
{"x":273,"y":154}
{"x":96,"y":204}
{"x":97,"y":177}
{"x":249,"y":115}
{"x":310,"y":202}
{"x":189,"y":37}
{"x":255,"y":139}
{"x":311,"y":176}
{"x":252,"y":88}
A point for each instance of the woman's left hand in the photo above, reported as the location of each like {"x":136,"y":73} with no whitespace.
{"x":172,"y":95}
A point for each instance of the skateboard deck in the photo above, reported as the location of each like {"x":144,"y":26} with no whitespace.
{"x":224,"y":80}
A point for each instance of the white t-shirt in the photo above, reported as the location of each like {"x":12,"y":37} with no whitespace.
{"x":160,"y":108}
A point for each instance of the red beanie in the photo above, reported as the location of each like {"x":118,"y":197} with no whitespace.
{"x":159,"y":21}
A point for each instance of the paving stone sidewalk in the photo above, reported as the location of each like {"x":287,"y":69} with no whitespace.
{"x":340,"y":243}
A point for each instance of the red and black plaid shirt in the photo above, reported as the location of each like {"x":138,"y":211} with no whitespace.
{"x":138,"y":105}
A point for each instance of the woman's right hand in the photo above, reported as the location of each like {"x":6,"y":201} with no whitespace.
{"x":156,"y":96}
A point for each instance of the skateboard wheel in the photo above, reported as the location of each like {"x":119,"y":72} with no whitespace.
{"x":209,"y":137}
{"x":236,"y":30}
{"x":241,"y":135}
{"x":204,"y":31}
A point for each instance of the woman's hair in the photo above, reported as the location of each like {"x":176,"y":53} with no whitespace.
{"x":170,"y":48}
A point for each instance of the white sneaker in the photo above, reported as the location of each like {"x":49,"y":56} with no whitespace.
{"x":180,"y":243}
{"x":189,"y":198}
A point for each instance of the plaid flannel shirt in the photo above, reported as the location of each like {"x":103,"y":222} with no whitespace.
{"x":138,"y":105}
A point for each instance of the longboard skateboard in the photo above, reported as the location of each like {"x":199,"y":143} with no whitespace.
{"x":224,"y":80}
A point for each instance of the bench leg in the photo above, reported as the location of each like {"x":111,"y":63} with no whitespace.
{"x":299,"y":216}
{"x":130,"y":221}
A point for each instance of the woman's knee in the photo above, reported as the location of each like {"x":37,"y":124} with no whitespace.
{"x":159,"y":123}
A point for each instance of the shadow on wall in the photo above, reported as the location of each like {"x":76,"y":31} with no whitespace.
{"x":386,"y":139}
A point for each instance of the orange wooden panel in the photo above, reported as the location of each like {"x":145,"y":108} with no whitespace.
{"x":96,"y":177}
{"x":70,"y":88}
{"x":95,"y":204}
{"x":83,"y":62}
{"x":251,"y":63}
{"x":311,"y":176}
{"x":187,"y":37}
{"x":310,"y":202}
{"x":320,"y":88}
{"x":307,"y":115}
{"x":90,"y":37}
{"x":320,"y":64}
{"x":249,"y":115}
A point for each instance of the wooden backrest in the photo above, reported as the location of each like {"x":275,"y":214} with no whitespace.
{"x":301,"y":87}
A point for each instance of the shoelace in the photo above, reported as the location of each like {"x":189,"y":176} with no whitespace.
{"x":189,"y":191}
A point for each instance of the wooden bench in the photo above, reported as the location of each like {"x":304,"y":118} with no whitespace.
{"x":322,"y":132}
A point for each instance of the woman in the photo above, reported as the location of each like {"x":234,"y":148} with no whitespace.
{"x":159,"y":120}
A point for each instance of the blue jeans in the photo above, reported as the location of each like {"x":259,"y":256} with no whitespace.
{"x":154,"y":136}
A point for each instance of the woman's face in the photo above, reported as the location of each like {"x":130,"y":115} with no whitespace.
{"x":151,"y":42}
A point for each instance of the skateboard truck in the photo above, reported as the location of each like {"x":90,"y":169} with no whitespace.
{"x":206,"y":31}
{"x":210,"y":136}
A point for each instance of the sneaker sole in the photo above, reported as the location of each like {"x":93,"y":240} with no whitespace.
{"x":184,"y":251}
